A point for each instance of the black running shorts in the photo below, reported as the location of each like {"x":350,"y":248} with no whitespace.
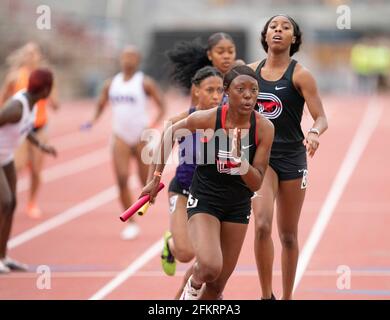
{"x":175,"y":187}
{"x":236,"y":213}
{"x":289,"y":165}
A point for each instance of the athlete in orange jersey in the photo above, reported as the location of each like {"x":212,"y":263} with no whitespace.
{"x":22,"y":62}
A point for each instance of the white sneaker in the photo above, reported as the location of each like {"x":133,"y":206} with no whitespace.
{"x":130,"y":232}
{"x":190,"y":293}
{"x":3,"y":268}
{"x":14,"y":265}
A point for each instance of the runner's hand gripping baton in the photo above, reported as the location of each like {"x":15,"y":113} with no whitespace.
{"x":138,"y":205}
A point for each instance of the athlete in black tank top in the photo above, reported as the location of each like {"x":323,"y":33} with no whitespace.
{"x":219,"y":203}
{"x":219,"y":181}
{"x":186,"y":59}
{"x":284,"y":87}
{"x":280,"y":102}
{"x":208,"y":89}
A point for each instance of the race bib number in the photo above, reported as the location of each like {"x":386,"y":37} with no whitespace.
{"x":172,"y":203}
{"x":191,"y":202}
{"x":304,"y":178}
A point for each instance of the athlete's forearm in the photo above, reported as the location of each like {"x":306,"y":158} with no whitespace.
{"x":6,"y":92}
{"x":164,"y":150}
{"x":161,"y":110}
{"x":167,"y":124}
{"x":34,"y":140}
{"x":159,"y":117}
{"x":170,"y":135}
{"x":98,"y":111}
{"x":321,"y":124}
{"x":54,"y":103}
{"x":151,"y":170}
{"x":253,"y":177}
{"x":4,"y":96}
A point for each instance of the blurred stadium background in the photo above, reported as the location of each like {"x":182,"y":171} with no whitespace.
{"x":86,"y":36}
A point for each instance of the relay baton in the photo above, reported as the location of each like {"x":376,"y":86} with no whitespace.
{"x":138,"y":205}
{"x":143,"y":209}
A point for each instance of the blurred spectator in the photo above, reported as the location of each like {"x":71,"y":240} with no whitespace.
{"x":370,"y":60}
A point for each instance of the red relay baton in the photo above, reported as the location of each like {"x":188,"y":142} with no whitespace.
{"x":138,"y":204}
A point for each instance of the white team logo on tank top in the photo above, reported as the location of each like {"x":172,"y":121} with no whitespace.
{"x":269,"y":105}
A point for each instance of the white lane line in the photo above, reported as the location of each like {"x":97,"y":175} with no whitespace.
{"x":77,"y":165}
{"x":362,"y":136}
{"x":129,"y":271}
{"x":149,"y":254}
{"x":72,"y":213}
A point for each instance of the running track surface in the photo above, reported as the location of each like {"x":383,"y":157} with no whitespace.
{"x":343,"y":229}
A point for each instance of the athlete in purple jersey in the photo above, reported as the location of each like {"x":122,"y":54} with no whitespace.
{"x":208,"y":91}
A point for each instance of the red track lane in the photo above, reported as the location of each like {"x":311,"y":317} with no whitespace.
{"x":86,"y":253}
{"x":357,"y":235}
{"x":244,"y":284}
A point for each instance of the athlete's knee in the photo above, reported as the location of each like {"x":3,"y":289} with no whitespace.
{"x":13,"y":204}
{"x":183,"y":254}
{"x":122,"y":181}
{"x":7,"y":205}
{"x":263,"y":229}
{"x":182,"y":248}
{"x":289,"y":240}
{"x":210,"y":270}
{"x":35,"y":175}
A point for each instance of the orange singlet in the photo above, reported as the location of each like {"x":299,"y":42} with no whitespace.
{"x":22,"y":83}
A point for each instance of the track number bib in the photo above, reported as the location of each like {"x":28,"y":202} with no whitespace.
{"x":304,"y":178}
{"x":172,"y":203}
{"x":191,"y":202}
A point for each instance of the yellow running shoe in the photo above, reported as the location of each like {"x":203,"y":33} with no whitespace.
{"x":168,"y":261}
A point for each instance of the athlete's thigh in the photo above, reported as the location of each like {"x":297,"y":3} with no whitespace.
{"x":178,"y":217}
{"x":10,"y":173}
{"x":138,"y":149}
{"x":142,"y":163}
{"x":120,"y":156}
{"x":21,"y":156}
{"x":7,"y":182}
{"x":35,"y":154}
{"x":290,"y":199}
{"x":205,"y":234}
{"x":264,"y":199}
